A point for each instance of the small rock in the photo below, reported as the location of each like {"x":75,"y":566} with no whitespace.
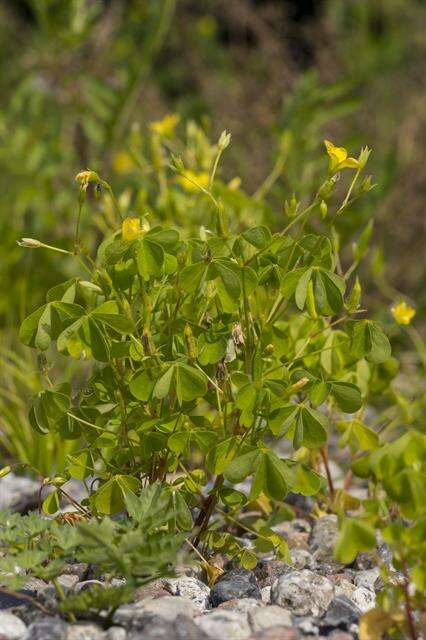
{"x":68,"y":581}
{"x":190,"y":588}
{"x":367,"y":578}
{"x":154,"y":589}
{"x":271,"y":570}
{"x":344,"y":588}
{"x":277,"y":633}
{"x":364,"y":599}
{"x":116,"y":633}
{"x":323,"y":537}
{"x":308,"y":626}
{"x":84,"y":632}
{"x":242,"y":605}
{"x":296,"y":532}
{"x":238,"y":583}
{"x":18,"y":493}
{"x":341,"y":613}
{"x":303,"y":592}
{"x":266,"y":617}
{"x":265,"y":594}
{"x":340,"y":635}
{"x":52,"y":629}
{"x":79,"y":569}
{"x":180,"y":629}
{"x":168,"y":608}
{"x":224,"y":624}
{"x":300,"y":559}
{"x":11,"y":627}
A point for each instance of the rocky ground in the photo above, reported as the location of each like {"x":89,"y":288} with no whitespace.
{"x":314,"y":597}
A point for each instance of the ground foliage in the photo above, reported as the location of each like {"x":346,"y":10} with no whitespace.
{"x":209,"y":359}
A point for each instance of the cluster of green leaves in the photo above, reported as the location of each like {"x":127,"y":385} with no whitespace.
{"x":140,"y":548}
{"x":206,"y":351}
{"x":395,"y":511}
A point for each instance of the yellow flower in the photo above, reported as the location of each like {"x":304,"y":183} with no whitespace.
{"x":403,"y":313}
{"x":339,"y":158}
{"x":166,"y":126}
{"x":131,"y":228}
{"x":190,"y":177}
{"x":123,"y":162}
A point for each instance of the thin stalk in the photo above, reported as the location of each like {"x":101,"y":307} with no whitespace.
{"x":62,"y":598}
{"x":348,"y":195}
{"x":77,"y":226}
{"x":324,"y":457}
{"x":407,"y":603}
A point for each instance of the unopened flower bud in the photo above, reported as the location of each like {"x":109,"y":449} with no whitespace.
{"x":224,"y":140}
{"x":326,"y":189}
{"x":30,"y":243}
{"x":323,"y":209}
{"x":269,"y":349}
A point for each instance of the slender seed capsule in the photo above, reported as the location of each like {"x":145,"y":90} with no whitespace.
{"x":310,"y":301}
{"x":191,"y":347}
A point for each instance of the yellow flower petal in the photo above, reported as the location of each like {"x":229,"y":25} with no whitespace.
{"x":131,"y":228}
{"x":337,"y":154}
{"x":188,"y":180}
{"x":350,"y":163}
{"x":166,"y":126}
{"x":403,"y":313}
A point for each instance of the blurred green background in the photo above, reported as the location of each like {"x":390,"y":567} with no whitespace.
{"x":76,"y":75}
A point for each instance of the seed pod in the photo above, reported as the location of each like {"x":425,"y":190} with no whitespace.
{"x":323,"y":209}
{"x":310,"y":301}
{"x":5,"y":471}
{"x":191,"y":346}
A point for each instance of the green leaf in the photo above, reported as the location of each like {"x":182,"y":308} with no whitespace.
{"x":49,"y":408}
{"x":107,"y":314}
{"x":242,"y":466}
{"x":64,"y":292}
{"x":162,"y":386}
{"x":210,"y":352}
{"x":328,"y":292}
{"x":302,"y":289}
{"x":357,"y":435}
{"x":109,"y":498}
{"x":149,"y":258}
{"x":380,"y":345}
{"x":347,"y":395}
{"x":190,"y":383}
{"x":142,"y":384}
{"x":220,"y":456}
{"x":192,"y":275}
{"x":269,"y":477}
{"x":259,"y":237}
{"x":310,"y":429}
{"x":368,"y":339}
{"x":354,"y":536}
{"x":228,"y":274}
{"x":51,"y":504}
{"x":45,"y":324}
{"x":84,"y":339}
{"x":281,"y":420}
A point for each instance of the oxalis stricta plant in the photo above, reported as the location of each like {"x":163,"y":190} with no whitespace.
{"x":216,"y":366}
{"x":201,"y":354}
